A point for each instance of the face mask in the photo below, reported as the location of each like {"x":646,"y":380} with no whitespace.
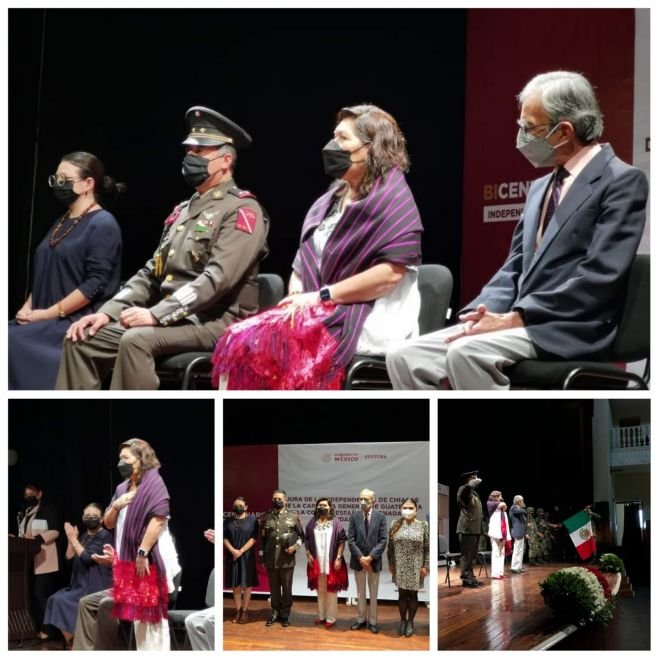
{"x":64,"y":193}
{"x":537,"y":150}
{"x":91,"y":522}
{"x":365,"y":504}
{"x":30,"y":501}
{"x":125,"y":470}
{"x":195,"y":169}
{"x":277,"y":504}
{"x":408,"y":513}
{"x":239,"y":510}
{"x":336,"y":161}
{"x":474,"y":482}
{"x":322,"y":511}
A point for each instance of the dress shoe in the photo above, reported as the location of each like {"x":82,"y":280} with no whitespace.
{"x":516,"y":571}
{"x":358,"y":625}
{"x":470,"y":584}
{"x":409,"y":628}
{"x":329,"y":625}
{"x":236,"y":616}
{"x":319,"y":621}
{"x":374,"y":628}
{"x":285,"y":622}
{"x":271,"y":620}
{"x":243,"y":616}
{"x":401,"y":628}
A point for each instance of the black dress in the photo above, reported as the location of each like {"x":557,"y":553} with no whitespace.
{"x":87,"y":259}
{"x":241,"y":572}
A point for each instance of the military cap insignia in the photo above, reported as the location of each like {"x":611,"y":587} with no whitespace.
{"x":246,"y":220}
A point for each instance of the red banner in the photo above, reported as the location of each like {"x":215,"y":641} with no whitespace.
{"x":505,"y":49}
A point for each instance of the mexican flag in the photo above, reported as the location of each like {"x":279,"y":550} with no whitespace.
{"x":581,"y":531}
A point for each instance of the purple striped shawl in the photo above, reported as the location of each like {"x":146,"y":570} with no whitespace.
{"x":385,"y":227}
{"x":151,"y":499}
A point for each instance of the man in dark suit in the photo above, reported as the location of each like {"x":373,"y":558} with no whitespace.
{"x":559,"y":292}
{"x":367,"y":539}
{"x":470,"y":526}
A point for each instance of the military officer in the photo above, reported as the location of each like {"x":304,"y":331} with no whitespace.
{"x":536,"y":537}
{"x":201,"y":278}
{"x":281,"y":536}
{"x":469,"y":527}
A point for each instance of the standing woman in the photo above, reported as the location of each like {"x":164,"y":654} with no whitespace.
{"x":138,"y":512}
{"x":77,"y":268}
{"x":499,"y":532}
{"x":240,"y":534}
{"x":353,"y":285}
{"x":327,"y":573}
{"x":87,"y":576}
{"x":409,"y":562}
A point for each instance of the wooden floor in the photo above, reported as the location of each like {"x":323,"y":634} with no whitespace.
{"x":507,"y":614}
{"x":304,"y":635}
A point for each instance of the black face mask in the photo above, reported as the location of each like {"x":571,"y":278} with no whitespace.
{"x":277,"y":504}
{"x":30,"y":501}
{"x":322,"y":511}
{"x":125,"y":470}
{"x":91,"y":522}
{"x":195,"y":169}
{"x":239,"y":510}
{"x":64,"y":193}
{"x":336,"y":161}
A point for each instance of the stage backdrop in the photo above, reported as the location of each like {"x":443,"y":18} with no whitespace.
{"x":394,"y":470}
{"x":596,"y":42}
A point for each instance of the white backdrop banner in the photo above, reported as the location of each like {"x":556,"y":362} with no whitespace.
{"x":393,"y":470}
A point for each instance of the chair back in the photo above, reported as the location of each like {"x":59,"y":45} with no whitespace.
{"x":271,"y":290}
{"x":435,"y":284}
{"x":443,"y":545}
{"x":632,"y":342}
{"x":173,"y":596}
{"x":210,"y":590}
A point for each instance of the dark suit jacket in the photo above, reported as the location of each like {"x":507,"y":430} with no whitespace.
{"x":571,"y":289}
{"x":373,"y":545}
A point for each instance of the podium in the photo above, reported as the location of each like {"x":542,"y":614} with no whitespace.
{"x":21,"y":566}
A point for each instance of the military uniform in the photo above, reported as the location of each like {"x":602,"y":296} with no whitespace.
{"x":201,"y":279}
{"x":535,"y":538}
{"x":469,"y":531}
{"x":279,"y":530}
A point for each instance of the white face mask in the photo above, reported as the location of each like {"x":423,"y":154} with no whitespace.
{"x":408,"y":513}
{"x":536,"y":149}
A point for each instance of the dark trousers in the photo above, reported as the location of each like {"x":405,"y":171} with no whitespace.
{"x":468,"y":551}
{"x":281,"y":590}
{"x":43,"y":586}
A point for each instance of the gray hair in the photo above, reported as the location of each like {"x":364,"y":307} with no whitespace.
{"x":227,"y":148}
{"x":567,"y":96}
{"x":518,"y":498}
{"x":369,"y":493}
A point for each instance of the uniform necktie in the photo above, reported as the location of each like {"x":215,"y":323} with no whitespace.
{"x":554,"y":196}
{"x":366,"y":523}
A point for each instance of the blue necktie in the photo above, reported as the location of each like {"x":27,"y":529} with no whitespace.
{"x":554,"y":196}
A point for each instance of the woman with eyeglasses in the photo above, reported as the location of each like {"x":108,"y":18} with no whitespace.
{"x":76,"y":269}
{"x":87,"y":576}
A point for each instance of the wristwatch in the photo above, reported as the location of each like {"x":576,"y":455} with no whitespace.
{"x":325,"y":295}
{"x":142,"y":552}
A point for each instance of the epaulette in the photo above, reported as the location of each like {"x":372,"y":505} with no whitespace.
{"x":241,"y":194}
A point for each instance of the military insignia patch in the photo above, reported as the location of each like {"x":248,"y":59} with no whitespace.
{"x":246,"y":220}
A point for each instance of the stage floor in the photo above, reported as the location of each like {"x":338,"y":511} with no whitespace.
{"x":507,"y":614}
{"x":304,"y":635}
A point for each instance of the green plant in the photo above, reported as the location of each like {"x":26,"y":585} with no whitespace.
{"x":612,"y":563}
{"x":576,"y":595}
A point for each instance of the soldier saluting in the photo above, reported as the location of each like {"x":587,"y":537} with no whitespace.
{"x":201,"y":278}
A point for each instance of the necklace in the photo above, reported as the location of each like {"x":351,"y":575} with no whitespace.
{"x":55,"y":238}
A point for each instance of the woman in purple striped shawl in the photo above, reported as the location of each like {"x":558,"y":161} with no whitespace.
{"x":138,"y":512}
{"x":353,"y":285}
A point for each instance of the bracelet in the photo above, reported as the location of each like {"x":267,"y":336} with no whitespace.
{"x":60,"y":310}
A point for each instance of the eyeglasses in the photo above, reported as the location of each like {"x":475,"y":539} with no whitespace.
{"x":59,"y":180}
{"x":531,"y":129}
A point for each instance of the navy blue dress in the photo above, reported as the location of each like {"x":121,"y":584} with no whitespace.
{"x":241,"y":572}
{"x":89,"y":259}
{"x":86,"y":577}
